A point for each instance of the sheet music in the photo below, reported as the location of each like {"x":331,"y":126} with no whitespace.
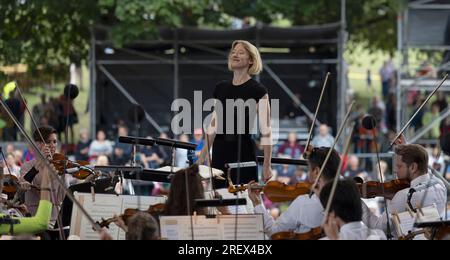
{"x":222,"y":227}
{"x":405,"y":221}
{"x":249,"y":227}
{"x":105,"y":206}
{"x":180,"y":228}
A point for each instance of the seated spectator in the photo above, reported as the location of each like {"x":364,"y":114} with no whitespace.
{"x":10,"y":149}
{"x":275,"y":213}
{"x":18,"y":157}
{"x":291,"y":148}
{"x":82,"y":149}
{"x":122,"y":152}
{"x":152,"y":157}
{"x":285,"y":173}
{"x":199,"y":141}
{"x":182,"y":154}
{"x":14,"y":169}
{"x":436,"y":159}
{"x":354,"y":170}
{"x":28,"y":155}
{"x":324,"y":138}
{"x":100,"y":146}
{"x":300,"y":175}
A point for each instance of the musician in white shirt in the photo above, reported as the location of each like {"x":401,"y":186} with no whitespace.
{"x":344,"y":221}
{"x":425,"y":190}
{"x":305,"y":212}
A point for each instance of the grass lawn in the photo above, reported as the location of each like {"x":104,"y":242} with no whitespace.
{"x":359,"y":62}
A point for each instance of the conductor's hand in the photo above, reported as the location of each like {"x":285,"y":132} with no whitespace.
{"x":267,"y":170}
{"x":202,"y":158}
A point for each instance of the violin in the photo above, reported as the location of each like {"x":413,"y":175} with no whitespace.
{"x":276,"y":191}
{"x":441,"y":233}
{"x":128,"y":213}
{"x":372,"y":189}
{"x":313,"y":234}
{"x":62,"y":163}
{"x":11,"y":185}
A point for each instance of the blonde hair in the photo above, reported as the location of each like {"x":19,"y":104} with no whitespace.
{"x":254,"y":54}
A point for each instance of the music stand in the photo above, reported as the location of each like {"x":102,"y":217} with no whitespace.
{"x":433,"y":224}
{"x":8,"y":220}
{"x":287,"y":161}
{"x":202,"y":203}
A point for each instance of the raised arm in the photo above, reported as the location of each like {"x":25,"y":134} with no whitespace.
{"x":265,"y":126}
{"x":210,"y":135}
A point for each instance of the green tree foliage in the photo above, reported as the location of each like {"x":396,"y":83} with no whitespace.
{"x":369,"y":22}
{"x":45,"y":32}
{"x":49,"y":33}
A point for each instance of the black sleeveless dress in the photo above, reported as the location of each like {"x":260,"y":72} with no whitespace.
{"x":226,"y":144}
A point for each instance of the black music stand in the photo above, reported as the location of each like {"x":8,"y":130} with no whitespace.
{"x":8,"y":220}
{"x":202,"y":203}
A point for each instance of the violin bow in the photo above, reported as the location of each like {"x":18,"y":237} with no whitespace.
{"x":338,"y":174}
{"x":332,"y":147}
{"x":61,"y":232}
{"x":311,"y":129}
{"x":419,"y":109}
{"x":29,"y":113}
{"x":52,"y":172}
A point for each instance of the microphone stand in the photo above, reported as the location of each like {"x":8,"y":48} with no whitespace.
{"x":134,"y":154}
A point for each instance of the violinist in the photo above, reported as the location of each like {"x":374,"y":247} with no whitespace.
{"x":305,"y":212}
{"x":30,"y":175}
{"x":176,"y":204}
{"x":411,"y":163}
{"x":141,"y":226}
{"x":38,"y":223}
{"x":344,"y":221}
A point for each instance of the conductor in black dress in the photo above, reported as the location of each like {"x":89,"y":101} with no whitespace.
{"x":238,"y":104}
